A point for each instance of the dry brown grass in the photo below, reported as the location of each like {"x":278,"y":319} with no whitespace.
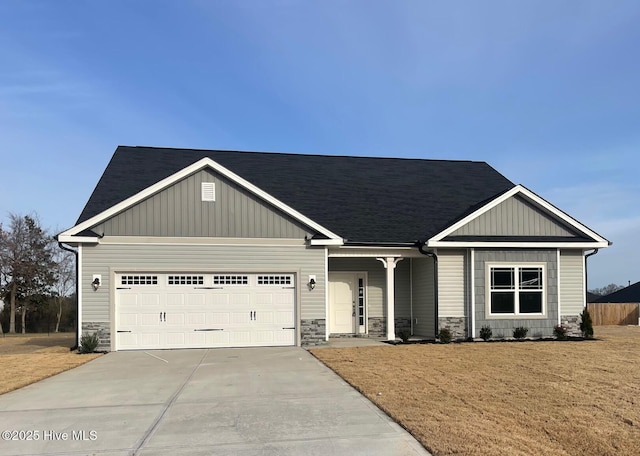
{"x":518,"y":398}
{"x":26,"y":359}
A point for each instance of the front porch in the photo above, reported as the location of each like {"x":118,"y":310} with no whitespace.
{"x":367,"y":290}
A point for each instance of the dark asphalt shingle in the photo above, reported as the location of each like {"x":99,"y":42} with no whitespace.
{"x":363,"y":199}
{"x":627,"y":294}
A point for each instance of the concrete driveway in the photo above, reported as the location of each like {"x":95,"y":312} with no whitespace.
{"x":262,"y":401}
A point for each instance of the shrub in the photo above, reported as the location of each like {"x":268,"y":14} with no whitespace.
{"x":520,"y":332}
{"x":586,"y":325}
{"x":89,"y":342}
{"x":486,"y":333}
{"x":404,"y":335}
{"x":445,"y":335}
{"x":560,"y":332}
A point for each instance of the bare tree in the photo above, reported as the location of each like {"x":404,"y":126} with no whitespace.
{"x":27,"y":264}
{"x":604,"y":291}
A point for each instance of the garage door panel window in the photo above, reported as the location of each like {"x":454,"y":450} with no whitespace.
{"x":274,"y":280}
{"x":139,"y":280}
{"x":516,"y":290}
{"x":185,"y":280}
{"x":230,"y":280}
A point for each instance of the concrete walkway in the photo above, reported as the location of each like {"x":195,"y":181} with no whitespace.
{"x":266,"y":401}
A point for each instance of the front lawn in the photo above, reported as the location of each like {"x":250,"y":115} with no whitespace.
{"x":524,"y":398}
{"x":26,"y":359}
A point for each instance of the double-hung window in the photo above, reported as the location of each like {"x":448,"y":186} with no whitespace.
{"x":516,"y":290}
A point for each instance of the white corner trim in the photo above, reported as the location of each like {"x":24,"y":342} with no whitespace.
{"x":197,"y":166}
{"x":326,"y":293}
{"x":520,"y":189}
{"x":473,"y":291}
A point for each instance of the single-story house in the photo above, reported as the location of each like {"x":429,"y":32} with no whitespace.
{"x":621,"y":307}
{"x":182,"y":248}
{"x":627,"y":295}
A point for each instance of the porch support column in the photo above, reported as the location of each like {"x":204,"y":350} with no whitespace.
{"x":390,"y":265}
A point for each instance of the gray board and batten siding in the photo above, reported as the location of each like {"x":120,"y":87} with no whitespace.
{"x":515,"y":217}
{"x":503,"y":327}
{"x":178,"y":211}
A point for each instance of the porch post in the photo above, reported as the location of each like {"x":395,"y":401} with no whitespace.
{"x":390,"y":265}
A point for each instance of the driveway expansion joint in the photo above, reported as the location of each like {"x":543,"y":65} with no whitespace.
{"x":149,"y":433}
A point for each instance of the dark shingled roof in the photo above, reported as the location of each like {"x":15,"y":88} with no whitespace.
{"x":628,"y":294}
{"x":362,"y":199}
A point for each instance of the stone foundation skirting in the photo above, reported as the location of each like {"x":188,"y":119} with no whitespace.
{"x":313,"y":332}
{"x":103,"y":329}
{"x":572,"y":323}
{"x":377,"y":326}
{"x":457,"y":325}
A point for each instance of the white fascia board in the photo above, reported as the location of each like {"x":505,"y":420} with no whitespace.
{"x":197,"y":166}
{"x":520,"y":245}
{"x":374,"y":252}
{"x":520,"y":189}
{"x":68,"y":239}
{"x":326,"y":242}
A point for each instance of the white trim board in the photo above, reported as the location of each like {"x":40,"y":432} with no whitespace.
{"x":168,"y":181}
{"x":519,"y":245}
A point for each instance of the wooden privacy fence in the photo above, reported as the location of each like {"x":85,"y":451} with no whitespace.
{"x":614,"y":313}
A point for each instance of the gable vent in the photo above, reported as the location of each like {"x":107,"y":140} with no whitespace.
{"x":208,"y":191}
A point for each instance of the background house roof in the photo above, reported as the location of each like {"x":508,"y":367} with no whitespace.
{"x":627,"y":294}
{"x":362,"y":199}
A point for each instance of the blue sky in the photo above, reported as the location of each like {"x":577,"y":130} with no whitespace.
{"x":546,"y":92}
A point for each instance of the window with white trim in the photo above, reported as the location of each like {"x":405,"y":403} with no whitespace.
{"x":516,"y":290}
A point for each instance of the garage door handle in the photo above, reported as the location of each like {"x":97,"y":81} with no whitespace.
{"x":209,"y":329}
{"x":123,"y":288}
{"x":163,"y":316}
{"x":289,"y":328}
{"x":207,"y":288}
{"x":124,"y":331}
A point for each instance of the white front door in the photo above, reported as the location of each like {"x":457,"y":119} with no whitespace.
{"x":342,"y":303}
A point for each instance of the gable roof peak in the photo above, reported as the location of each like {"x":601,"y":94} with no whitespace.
{"x":126,"y":148}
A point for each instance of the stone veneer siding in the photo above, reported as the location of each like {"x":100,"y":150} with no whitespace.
{"x":377,"y":326}
{"x":103,"y":329}
{"x":572,"y":323}
{"x":313,"y":332}
{"x":457,"y":325}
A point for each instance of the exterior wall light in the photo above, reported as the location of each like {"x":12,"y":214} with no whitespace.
{"x":312,"y":283}
{"x":95,"y":284}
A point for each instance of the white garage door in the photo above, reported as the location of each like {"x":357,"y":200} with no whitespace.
{"x":204,"y":310}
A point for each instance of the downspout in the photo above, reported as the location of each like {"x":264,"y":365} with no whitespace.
{"x":435,"y":282}
{"x":586,"y":276}
{"x":75,"y":253}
